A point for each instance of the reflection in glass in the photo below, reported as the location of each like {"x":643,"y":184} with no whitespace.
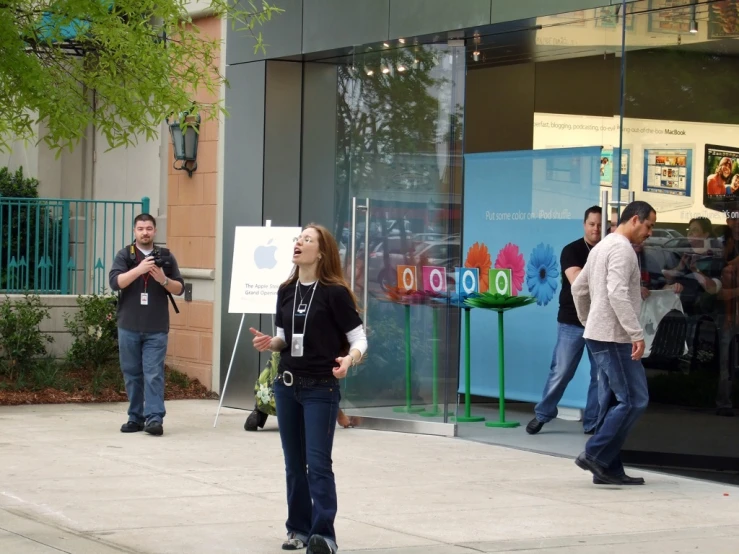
{"x":399,"y":126}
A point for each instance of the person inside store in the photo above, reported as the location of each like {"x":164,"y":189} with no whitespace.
{"x":651,"y":273}
{"x":607,"y":296}
{"x":319,"y":335}
{"x":729,"y":318}
{"x":570,"y":344}
{"x":699,"y":271}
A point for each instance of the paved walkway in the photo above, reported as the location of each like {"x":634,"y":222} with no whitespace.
{"x":70,"y":482}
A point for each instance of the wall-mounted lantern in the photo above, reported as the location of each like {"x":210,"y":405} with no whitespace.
{"x":185,"y":131}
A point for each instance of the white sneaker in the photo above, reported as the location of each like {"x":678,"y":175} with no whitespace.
{"x":293,"y":543}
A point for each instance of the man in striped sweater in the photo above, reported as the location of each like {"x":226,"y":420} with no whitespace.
{"x":607,"y":295}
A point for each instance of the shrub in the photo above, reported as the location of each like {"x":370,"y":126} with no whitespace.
{"x":21,"y":339}
{"x":94,"y":332}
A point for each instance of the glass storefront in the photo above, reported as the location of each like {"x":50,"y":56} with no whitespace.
{"x":400,"y":115}
{"x":485,"y":153}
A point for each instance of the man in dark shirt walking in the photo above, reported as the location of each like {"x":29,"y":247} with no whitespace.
{"x":147,"y":277}
{"x":570,"y":343}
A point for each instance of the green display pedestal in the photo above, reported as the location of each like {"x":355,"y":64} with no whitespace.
{"x":434,"y":411}
{"x":501,"y":379}
{"x":408,"y":408}
{"x":467,"y":417}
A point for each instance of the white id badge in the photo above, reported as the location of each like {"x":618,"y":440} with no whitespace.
{"x":296,"y":350}
{"x":144,"y":299}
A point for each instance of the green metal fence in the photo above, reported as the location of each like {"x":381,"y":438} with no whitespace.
{"x":62,"y":246}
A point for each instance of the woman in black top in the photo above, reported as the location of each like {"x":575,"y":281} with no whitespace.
{"x":319,"y":336}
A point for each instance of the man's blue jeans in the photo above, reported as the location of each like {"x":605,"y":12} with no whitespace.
{"x":142,"y":362}
{"x":623,"y":397}
{"x":306,"y":415}
{"x":567,"y":355}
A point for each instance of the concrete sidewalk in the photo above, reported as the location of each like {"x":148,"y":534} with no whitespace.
{"x":71,"y":482}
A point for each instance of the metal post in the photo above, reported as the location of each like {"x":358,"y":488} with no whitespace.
{"x":353,"y":240}
{"x":64,"y":256}
{"x":606,"y":213}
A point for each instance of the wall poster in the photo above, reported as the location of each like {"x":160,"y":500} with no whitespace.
{"x":721,"y":178}
{"x":723,"y":19}
{"x":668,"y":170}
{"x":666,"y":20}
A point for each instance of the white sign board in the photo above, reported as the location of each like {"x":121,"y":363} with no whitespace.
{"x":262,"y":260}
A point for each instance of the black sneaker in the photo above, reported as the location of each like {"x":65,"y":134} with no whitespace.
{"x":132,"y":427}
{"x":154,"y":428}
{"x":256,"y":420}
{"x":319,"y":545}
{"x":534,"y":426}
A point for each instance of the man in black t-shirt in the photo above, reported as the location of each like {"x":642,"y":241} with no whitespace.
{"x":145,"y":276}
{"x":570,"y":342}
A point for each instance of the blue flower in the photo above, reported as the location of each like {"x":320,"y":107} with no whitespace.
{"x":542,"y":274}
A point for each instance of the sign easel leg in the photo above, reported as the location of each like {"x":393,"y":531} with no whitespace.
{"x":230,"y":366}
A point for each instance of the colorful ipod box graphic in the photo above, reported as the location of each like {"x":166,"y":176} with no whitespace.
{"x":407,"y":278}
{"x":501,"y":281}
{"x":468,"y":280}
{"x":434,"y":279}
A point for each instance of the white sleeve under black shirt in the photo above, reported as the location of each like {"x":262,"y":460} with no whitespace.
{"x":331,"y":316}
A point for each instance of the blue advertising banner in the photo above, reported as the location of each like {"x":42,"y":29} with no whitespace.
{"x":520,"y":210}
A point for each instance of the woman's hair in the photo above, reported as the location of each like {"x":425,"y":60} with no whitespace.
{"x":328,"y":271}
{"x":705,"y":223}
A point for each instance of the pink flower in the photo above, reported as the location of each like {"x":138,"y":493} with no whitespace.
{"x":511,"y":258}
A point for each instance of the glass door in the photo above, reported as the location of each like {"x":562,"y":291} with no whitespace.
{"x":400,"y":118}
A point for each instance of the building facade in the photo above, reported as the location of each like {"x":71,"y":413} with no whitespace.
{"x":437,"y":134}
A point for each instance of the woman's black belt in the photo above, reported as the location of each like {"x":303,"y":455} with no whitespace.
{"x":288,"y":379}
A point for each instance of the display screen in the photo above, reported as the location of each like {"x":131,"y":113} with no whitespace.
{"x":668,"y":171}
{"x":721,"y":177}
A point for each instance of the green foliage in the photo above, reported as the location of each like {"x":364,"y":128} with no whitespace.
{"x":21,"y":339}
{"x":122,"y":66}
{"x":94,"y":332}
{"x":176,"y":378}
{"x":16,"y":185}
{"x":494,"y":301}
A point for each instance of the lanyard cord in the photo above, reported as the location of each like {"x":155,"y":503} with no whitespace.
{"x":295,"y":297}
{"x":144,"y":277}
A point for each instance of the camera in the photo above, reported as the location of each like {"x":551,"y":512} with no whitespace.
{"x":162,"y":259}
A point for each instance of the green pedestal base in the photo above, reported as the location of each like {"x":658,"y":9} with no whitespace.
{"x":407,"y":410}
{"x":470,"y":419}
{"x":506,"y":424}
{"x":435,"y":412}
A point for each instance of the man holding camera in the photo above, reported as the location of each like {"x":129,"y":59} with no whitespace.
{"x":146,"y":277}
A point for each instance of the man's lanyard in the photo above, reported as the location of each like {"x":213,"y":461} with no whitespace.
{"x":144,"y":277}
{"x":295,"y":299}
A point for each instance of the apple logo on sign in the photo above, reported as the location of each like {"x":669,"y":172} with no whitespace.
{"x":264,"y":256}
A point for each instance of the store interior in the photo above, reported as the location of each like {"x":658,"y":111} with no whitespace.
{"x":652,"y":86}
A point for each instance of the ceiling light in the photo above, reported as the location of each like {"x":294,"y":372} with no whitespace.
{"x":693,"y":26}
{"x":386,"y":45}
{"x":385,"y":70}
{"x":401,"y":40}
{"x":401,"y":68}
{"x":476,"y":55}
{"x":369,"y":72}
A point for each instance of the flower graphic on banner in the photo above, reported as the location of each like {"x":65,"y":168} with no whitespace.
{"x":511,"y":258}
{"x":479,"y":257}
{"x":542,"y":274}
